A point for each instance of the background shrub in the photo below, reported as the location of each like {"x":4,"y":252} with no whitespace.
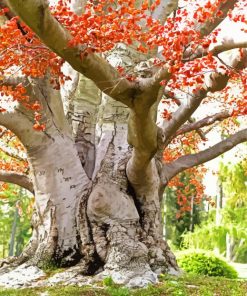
{"x":205,"y":264}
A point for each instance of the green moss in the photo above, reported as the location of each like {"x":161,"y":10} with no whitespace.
{"x":52,"y":271}
{"x":19,"y":292}
{"x":48,"y":265}
{"x":108,"y":282}
{"x":75,"y":291}
{"x":187,"y":285}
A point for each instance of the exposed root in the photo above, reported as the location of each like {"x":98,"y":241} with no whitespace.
{"x":22,"y":276}
{"x":161,"y":258}
{"x":7,"y":264}
{"x":13,"y":261}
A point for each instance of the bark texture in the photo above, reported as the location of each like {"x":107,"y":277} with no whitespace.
{"x":86,"y":209}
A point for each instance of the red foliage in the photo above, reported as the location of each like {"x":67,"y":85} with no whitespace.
{"x":102,"y":26}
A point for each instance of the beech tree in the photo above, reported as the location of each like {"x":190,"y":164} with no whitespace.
{"x":102,"y":94}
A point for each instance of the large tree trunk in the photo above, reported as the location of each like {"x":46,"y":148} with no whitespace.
{"x":88,"y":212}
{"x":126,"y":233}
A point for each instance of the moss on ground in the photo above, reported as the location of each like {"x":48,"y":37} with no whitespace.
{"x":169,"y":286}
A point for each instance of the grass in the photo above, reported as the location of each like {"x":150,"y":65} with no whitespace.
{"x":169,"y":286}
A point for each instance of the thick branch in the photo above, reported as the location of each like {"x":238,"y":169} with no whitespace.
{"x":188,"y":161}
{"x":143,"y":136}
{"x":143,"y":133}
{"x":214,"y":82}
{"x":36,"y":14}
{"x":153,"y":83}
{"x":183,"y":113}
{"x":16,"y":178}
{"x":203,"y":122}
{"x":228,"y":45}
{"x":207,"y":27}
{"x":217,"y":49}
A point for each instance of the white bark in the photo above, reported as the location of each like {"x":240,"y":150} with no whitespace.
{"x":82,"y":114}
{"x":59,"y":183}
{"x":114,"y":217}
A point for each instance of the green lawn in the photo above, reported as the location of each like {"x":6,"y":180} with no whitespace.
{"x":170,"y":286}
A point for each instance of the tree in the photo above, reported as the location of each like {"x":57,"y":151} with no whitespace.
{"x":98,"y":188}
{"x":181,"y":217}
{"x":234,"y":182}
{"x":227,"y":235}
{"x":15,"y":213}
{"x":229,"y":238}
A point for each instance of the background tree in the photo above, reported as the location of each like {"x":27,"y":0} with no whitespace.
{"x":182,"y":205}
{"x":228,"y":236}
{"x":16,"y":212}
{"x":99,"y":185}
{"x":233,"y":178}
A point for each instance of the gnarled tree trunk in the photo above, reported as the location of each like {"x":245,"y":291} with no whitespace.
{"x":86,"y":209}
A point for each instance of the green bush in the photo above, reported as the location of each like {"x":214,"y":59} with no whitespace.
{"x":206,"y":264}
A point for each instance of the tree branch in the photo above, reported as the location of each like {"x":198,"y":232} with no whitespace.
{"x":203,"y":122}
{"x":36,"y":14}
{"x":214,"y":82}
{"x":143,"y":136}
{"x":217,"y":49}
{"x":190,"y":119}
{"x":143,"y":133}
{"x":188,"y":161}
{"x":228,"y":45}
{"x":207,"y":27}
{"x":182,"y":114}
{"x":153,"y":83}
{"x":17,"y":178}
